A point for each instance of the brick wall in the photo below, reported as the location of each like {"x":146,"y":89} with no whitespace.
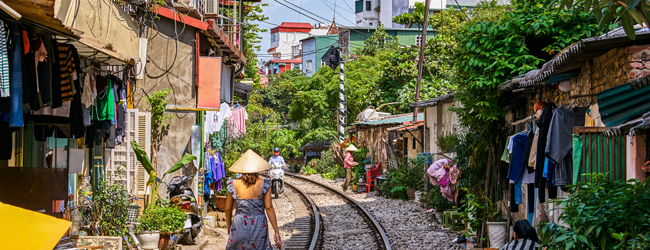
{"x":618,"y":66}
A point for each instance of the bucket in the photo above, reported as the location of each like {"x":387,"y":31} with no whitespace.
{"x":354,"y":188}
{"x":418,"y":196}
{"x":497,"y":233}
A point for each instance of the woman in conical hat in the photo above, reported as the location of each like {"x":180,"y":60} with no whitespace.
{"x":248,"y":229}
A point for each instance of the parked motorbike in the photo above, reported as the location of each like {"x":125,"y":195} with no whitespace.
{"x":277,"y":184}
{"x":184,"y":198}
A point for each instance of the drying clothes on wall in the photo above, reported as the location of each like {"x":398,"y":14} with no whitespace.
{"x":543,"y":123}
{"x":219,"y":171}
{"x":4,"y":62}
{"x":237,"y":121}
{"x":560,"y":143}
{"x":224,"y":113}
{"x":438,"y":175}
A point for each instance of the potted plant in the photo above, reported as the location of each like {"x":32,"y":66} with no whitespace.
{"x":160,"y":220}
{"x":220,"y":198}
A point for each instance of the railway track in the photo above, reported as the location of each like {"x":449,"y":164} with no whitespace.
{"x":336,"y":221}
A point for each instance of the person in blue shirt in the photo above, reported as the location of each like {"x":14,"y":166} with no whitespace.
{"x":276,"y":157}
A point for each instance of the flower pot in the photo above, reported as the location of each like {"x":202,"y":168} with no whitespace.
{"x":497,"y":233}
{"x":220,"y":202}
{"x":168,"y":241}
{"x":149,"y":239}
{"x":354,"y":188}
{"x":410,"y":193}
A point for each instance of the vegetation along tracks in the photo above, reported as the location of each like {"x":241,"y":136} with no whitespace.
{"x":340,"y":227}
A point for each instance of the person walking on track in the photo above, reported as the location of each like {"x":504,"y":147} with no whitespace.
{"x":250,"y":195}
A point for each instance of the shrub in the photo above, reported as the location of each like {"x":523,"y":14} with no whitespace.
{"x":110,"y":202}
{"x":166,"y":218}
{"x":308,"y":170}
{"x":602,"y":214}
{"x":434,"y":199}
{"x":409,"y":173}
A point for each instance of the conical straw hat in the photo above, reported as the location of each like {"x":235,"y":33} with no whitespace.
{"x":351,"y":148}
{"x":248,"y":163}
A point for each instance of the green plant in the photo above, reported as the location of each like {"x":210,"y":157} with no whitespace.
{"x":309,"y":170}
{"x":475,"y":211}
{"x":434,"y":199}
{"x":157,"y":104}
{"x":409,"y":173}
{"x":602,"y":214}
{"x":163,"y":218}
{"x":142,"y":157}
{"x":110,"y":202}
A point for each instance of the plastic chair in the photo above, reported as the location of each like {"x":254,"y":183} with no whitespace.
{"x":371,"y":176}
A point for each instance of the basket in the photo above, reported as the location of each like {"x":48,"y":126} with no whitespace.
{"x":134,"y":213}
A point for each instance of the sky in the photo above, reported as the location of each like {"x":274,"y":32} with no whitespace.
{"x":277,"y":13}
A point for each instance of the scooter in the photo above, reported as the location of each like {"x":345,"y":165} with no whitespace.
{"x":277,"y":184}
{"x":184,"y":198}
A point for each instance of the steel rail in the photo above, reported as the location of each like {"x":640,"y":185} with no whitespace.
{"x":375,"y":223}
{"x":314,"y":209}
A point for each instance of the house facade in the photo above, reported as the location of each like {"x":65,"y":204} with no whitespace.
{"x":313,"y":49}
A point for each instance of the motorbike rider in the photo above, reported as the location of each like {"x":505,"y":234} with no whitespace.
{"x":276,"y":157}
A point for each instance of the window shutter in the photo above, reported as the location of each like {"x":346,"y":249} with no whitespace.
{"x":138,"y":128}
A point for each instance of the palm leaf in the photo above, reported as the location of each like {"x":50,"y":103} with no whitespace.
{"x":142,"y":157}
{"x":186,"y":159}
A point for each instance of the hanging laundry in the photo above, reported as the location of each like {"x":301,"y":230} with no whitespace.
{"x":560,"y":143}
{"x":45,"y":71}
{"x":67,"y":67}
{"x":543,"y":123}
{"x":15,"y":118}
{"x":209,"y":175}
{"x":224,"y":113}
{"x":4,"y":63}
{"x":219,"y":171}
{"x":439,"y":175}
{"x":237,"y":122}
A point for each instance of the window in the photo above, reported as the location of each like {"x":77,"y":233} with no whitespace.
{"x":308,"y":65}
{"x":322,"y":63}
{"x":275,"y":37}
{"x":358,"y":6}
{"x":418,"y":40}
{"x":368,"y":5}
{"x":413,"y":141}
{"x":370,"y":24}
{"x":277,"y":55}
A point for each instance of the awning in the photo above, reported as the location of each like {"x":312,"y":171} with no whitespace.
{"x":408,"y":126}
{"x":41,"y":14}
{"x":89,"y":47}
{"x":396,"y":119}
{"x":619,"y":104}
{"x":639,"y":125}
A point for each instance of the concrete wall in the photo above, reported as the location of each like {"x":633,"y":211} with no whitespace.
{"x":436,"y":125}
{"x":103,"y":21}
{"x":180,"y":78}
{"x":411,"y":151}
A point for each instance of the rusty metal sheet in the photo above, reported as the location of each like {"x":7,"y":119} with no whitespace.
{"x":40,"y":12}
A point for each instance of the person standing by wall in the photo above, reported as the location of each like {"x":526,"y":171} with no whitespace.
{"x":348,"y":163}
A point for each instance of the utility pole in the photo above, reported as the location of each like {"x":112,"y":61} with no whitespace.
{"x":342,"y":104}
{"x":423,"y":42}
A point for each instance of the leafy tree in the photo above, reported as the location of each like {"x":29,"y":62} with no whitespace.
{"x":251,"y":37}
{"x":629,"y":12}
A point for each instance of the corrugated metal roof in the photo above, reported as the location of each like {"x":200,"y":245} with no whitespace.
{"x":392,"y":120}
{"x":410,"y":126}
{"x":618,"y":104}
{"x":573,"y":56}
{"x":433,"y":102}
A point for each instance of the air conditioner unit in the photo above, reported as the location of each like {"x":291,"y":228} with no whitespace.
{"x":211,"y":8}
